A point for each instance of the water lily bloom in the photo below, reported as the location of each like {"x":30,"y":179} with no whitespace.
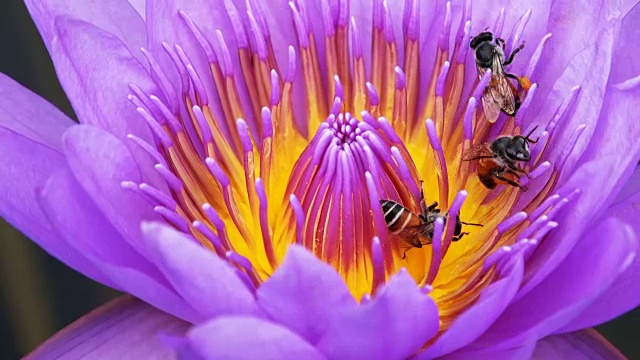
{"x":231,"y":157}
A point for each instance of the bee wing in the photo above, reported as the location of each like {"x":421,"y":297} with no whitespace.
{"x":476,"y":151}
{"x":490,"y":107}
{"x":499,"y":94}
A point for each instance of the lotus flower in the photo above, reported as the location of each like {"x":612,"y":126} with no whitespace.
{"x":231,"y":156}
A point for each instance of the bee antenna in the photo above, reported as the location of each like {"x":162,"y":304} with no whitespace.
{"x":530,"y":133}
{"x":472,"y":224}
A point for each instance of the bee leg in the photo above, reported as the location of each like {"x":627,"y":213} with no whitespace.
{"x":513,"y":54}
{"x":404,"y":256}
{"x":457,"y":238}
{"x":478,"y":157}
{"x":423,"y":206}
{"x":433,"y":207}
{"x":525,"y":173}
{"x":516,"y":170}
{"x":516,"y":78}
{"x":512,"y":76}
{"x":511,"y":182}
{"x":509,"y":171}
{"x":529,"y":139}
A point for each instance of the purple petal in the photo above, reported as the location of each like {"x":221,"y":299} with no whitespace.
{"x":617,"y":131}
{"x":624,"y":294}
{"x":123,"y":328}
{"x":486,"y":12}
{"x":159,"y":294}
{"x":585,"y":344}
{"x":386,"y":327}
{"x":204,"y":280}
{"x":589,"y":69}
{"x":100,"y":162}
{"x":304,"y":294}
{"x":578,"y":55}
{"x":571,"y":35}
{"x":84,"y":227}
{"x":26,"y":166}
{"x":98,"y":85}
{"x":591,"y":267}
{"x":627,"y":48}
{"x":631,"y":188}
{"x":627,"y":6}
{"x":93,"y":247}
{"x":521,"y":352}
{"x":117,"y":17}
{"x":431,"y":24}
{"x":30,"y":116}
{"x":283,"y":34}
{"x":30,"y":132}
{"x":30,"y":142}
{"x":362,"y":12}
{"x":165,"y":24}
{"x":475,"y":321}
{"x":243,"y":337}
{"x":140,"y":7}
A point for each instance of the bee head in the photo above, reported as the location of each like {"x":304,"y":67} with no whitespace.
{"x":481,"y":38}
{"x":518,"y":149}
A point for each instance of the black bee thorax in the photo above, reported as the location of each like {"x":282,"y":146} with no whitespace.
{"x":484,"y":54}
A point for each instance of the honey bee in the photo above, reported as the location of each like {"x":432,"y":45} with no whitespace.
{"x":500,"y":94}
{"x":417,"y":230}
{"x":498,"y":159}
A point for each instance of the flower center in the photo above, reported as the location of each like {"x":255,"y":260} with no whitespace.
{"x":256,"y":161}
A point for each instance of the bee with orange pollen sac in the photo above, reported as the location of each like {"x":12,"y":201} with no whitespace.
{"x":500,"y":94}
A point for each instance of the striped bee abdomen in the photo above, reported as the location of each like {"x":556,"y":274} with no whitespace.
{"x":397,"y":216}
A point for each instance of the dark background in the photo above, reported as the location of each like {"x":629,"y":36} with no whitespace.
{"x":38,"y":294}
